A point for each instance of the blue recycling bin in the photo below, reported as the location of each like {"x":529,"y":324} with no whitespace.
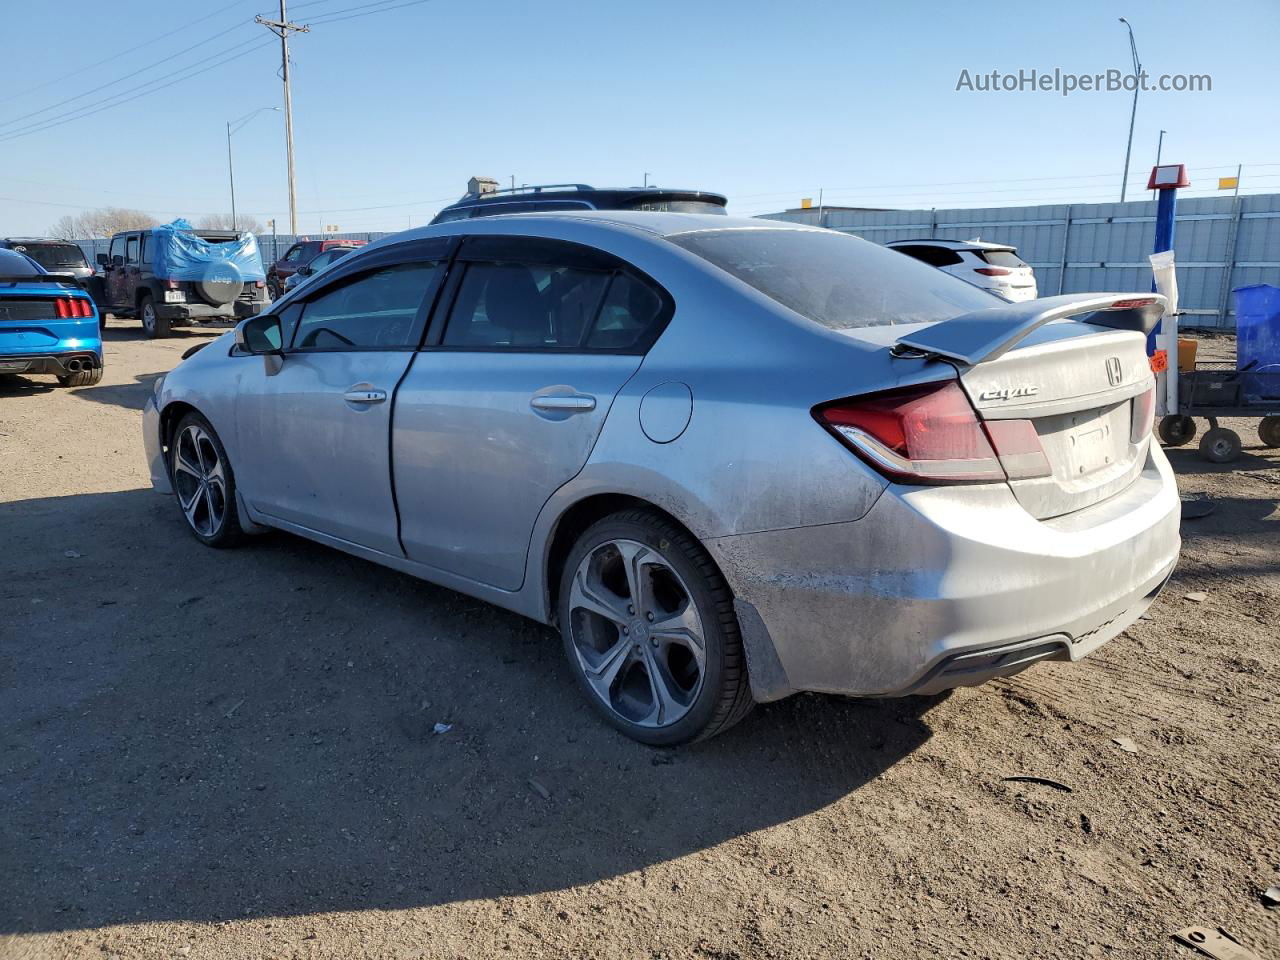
{"x":1258,"y":339}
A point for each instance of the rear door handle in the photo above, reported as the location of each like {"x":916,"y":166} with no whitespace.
{"x":365,"y":396}
{"x":566,"y":403}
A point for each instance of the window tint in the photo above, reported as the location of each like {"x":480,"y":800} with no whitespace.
{"x":378,"y":309}
{"x":14,"y":264}
{"x":934,"y":256}
{"x":53,"y":256}
{"x":834,"y":279}
{"x":294,"y":253}
{"x":629,"y":312}
{"x":1001,"y":258}
{"x":518,"y":305}
{"x":131,"y":249}
{"x":289,"y":321}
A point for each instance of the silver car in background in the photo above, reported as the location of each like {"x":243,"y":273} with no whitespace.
{"x":729,"y":459}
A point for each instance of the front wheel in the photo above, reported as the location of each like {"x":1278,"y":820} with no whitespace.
{"x":153,"y":325}
{"x":1220,"y":445}
{"x":650,"y":632}
{"x":204,"y":483}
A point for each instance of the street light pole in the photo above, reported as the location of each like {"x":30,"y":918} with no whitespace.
{"x":231,"y":170}
{"x":1133,"y":113}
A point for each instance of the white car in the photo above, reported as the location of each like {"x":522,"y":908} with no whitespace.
{"x":992,"y":266}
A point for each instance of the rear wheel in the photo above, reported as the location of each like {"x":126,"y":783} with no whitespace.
{"x":204,"y":483}
{"x":1269,"y":431}
{"x":1220,"y":445}
{"x":153,"y":325}
{"x":650,"y":632}
{"x":1175,"y":430}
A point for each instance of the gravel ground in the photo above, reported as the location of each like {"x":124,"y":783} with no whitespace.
{"x":230,"y":754}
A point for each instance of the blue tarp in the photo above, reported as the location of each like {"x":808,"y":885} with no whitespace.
{"x":179,"y":254}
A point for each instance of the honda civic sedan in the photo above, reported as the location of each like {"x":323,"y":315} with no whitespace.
{"x":729,"y":459}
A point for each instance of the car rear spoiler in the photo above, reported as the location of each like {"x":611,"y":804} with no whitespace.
{"x":987,"y":334}
{"x":44,"y":278}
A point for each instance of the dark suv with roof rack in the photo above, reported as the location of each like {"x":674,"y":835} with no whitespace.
{"x":484,"y":199}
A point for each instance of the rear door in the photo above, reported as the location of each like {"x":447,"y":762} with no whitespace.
{"x":504,"y":404}
{"x":313,"y":430}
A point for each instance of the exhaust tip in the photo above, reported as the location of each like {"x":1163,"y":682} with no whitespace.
{"x":73,"y":366}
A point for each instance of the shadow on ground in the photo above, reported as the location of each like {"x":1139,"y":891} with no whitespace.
{"x":132,"y":396}
{"x":204,"y":734}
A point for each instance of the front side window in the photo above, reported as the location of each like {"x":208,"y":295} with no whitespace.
{"x":117,"y":247}
{"x":836,"y":280}
{"x":295,"y":252}
{"x":377,"y":310}
{"x":524,"y":305}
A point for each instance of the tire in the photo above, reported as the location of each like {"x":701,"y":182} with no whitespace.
{"x":203,"y":483}
{"x":153,"y":325}
{"x":1220,"y":445}
{"x":1269,"y":431}
{"x":619,"y":664}
{"x":81,"y":378}
{"x":1174,"y":431}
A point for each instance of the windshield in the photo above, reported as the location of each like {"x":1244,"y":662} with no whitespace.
{"x":837,"y":280}
{"x":53,"y":256}
{"x":678,"y":206}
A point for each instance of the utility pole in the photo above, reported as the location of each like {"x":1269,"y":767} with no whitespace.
{"x":282,"y":28}
{"x":1133,"y":114}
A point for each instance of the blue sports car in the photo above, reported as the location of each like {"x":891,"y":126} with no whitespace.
{"x":48,"y":324}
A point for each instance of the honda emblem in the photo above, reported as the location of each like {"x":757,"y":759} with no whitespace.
{"x":1114,"y":371}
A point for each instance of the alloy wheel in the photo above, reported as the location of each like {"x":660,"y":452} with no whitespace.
{"x":200,"y":480}
{"x":637,"y":633}
{"x":148,"y":317}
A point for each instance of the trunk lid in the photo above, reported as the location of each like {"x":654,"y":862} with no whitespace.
{"x":1079,"y":386}
{"x":1082,"y":385}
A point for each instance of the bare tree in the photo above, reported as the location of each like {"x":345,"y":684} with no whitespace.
{"x":102,"y":222}
{"x":222,"y":221}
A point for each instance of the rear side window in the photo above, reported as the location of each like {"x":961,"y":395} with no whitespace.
{"x":629,"y":313}
{"x":836,"y":280}
{"x":131,"y":249}
{"x":377,"y":310}
{"x":1000,"y":258}
{"x":518,"y":305}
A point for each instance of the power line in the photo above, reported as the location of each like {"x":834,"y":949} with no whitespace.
{"x":127,"y":76}
{"x":116,"y":56}
{"x":340,"y":15}
{"x":120,"y":98}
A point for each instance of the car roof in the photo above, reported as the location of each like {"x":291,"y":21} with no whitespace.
{"x":953,"y":244}
{"x":656,"y":223}
{"x":602,"y":197}
{"x":39,"y":240}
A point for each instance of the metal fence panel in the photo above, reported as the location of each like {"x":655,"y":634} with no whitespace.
{"x":1220,"y":243}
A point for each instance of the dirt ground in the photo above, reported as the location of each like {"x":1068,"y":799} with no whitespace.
{"x":230,"y":754}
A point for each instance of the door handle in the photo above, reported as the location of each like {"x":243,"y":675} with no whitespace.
{"x":569,"y":403}
{"x":366,"y":395}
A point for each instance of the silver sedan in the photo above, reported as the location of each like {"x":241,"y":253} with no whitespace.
{"x":729,"y":459}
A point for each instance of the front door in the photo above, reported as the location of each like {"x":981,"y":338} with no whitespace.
{"x":505,"y":406}
{"x":115,"y":273}
{"x":314,"y":430}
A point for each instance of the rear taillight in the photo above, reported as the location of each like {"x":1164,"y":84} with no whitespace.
{"x":930,"y":434}
{"x":992,"y":271}
{"x":259,"y":284}
{"x":1144,"y":415}
{"x":65,"y":308}
{"x":172,"y":284}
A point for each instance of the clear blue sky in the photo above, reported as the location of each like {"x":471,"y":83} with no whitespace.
{"x":765,"y":101}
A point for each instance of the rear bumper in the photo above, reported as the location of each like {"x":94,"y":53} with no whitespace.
{"x":237,"y":310}
{"x":939,"y":587}
{"x":55,"y":363}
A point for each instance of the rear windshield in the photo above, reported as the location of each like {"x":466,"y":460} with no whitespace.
{"x":1001,"y":258}
{"x":53,"y":256}
{"x":837,"y":280}
{"x":678,"y":206}
{"x":14,"y":264}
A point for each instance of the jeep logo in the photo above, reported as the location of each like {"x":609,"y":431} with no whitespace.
{"x":1009,"y":393}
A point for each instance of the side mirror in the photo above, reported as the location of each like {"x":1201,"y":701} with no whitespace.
{"x":117,"y":260}
{"x":260,"y":334}
{"x":103,"y":259}
{"x":304,"y":271}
